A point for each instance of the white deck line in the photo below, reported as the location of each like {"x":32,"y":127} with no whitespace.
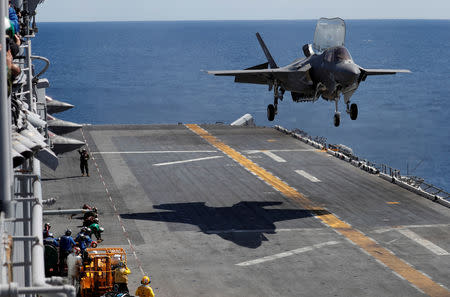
{"x":274,"y":157}
{"x":424,"y":242}
{"x":153,"y":152}
{"x":384,"y":230}
{"x":276,"y":151}
{"x":187,"y":161}
{"x":308,"y":176}
{"x":287,"y":254}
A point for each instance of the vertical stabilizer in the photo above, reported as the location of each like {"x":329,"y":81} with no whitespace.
{"x":271,"y":61}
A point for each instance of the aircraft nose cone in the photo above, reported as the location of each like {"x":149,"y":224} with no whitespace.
{"x":347,"y":73}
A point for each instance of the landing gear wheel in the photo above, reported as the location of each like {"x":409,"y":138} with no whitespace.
{"x":337,"y":119}
{"x":353,"y":111}
{"x":270,"y":112}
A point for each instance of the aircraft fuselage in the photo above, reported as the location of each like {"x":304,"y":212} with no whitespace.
{"x":332,"y":73}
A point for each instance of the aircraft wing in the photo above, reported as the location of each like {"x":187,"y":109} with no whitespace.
{"x":265,"y":72}
{"x":262,"y":76}
{"x":367,"y":72}
{"x":384,"y":71}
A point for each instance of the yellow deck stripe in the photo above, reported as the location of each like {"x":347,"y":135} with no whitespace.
{"x":415,"y":277}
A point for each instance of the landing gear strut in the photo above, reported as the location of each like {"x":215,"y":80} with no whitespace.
{"x":337,"y":114}
{"x":272,"y":109}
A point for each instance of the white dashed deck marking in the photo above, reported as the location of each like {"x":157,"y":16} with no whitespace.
{"x":187,"y":161}
{"x":287,"y":254}
{"x":273,"y":156}
{"x":424,"y":242}
{"x":308,"y":176}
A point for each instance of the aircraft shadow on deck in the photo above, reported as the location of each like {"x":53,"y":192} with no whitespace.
{"x":243,"y":223}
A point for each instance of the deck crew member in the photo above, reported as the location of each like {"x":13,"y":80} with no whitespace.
{"x":66,"y":244}
{"x":96,"y":229}
{"x":84,"y":239}
{"x":49,"y":239}
{"x":144,"y":290}
{"x":46,"y":231}
{"x":121,"y":277}
{"x":84,"y":157}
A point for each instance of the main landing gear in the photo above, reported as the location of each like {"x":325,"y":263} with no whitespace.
{"x":272,"y":109}
{"x":352,"y":110}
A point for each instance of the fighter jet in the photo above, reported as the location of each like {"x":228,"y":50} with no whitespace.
{"x":326,"y":71}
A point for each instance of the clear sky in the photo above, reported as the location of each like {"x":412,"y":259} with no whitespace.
{"x":151,"y":10}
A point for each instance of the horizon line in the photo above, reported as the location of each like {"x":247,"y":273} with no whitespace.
{"x":242,"y":20}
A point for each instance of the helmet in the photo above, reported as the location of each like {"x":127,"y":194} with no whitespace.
{"x":145,"y":280}
{"x":68,"y":232}
{"x":96,"y":220}
{"x":47,"y":225}
{"x":121,"y":264}
{"x":88,"y":231}
{"x":83,"y":229}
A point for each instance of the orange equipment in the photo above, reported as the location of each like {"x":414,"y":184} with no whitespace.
{"x":97,"y":271}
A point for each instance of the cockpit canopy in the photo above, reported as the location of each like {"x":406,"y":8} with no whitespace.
{"x":329,"y":33}
{"x":337,"y":54}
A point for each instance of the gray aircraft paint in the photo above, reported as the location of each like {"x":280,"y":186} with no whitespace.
{"x":330,"y":73}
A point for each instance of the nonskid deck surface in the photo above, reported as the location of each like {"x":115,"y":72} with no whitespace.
{"x":215,"y":210}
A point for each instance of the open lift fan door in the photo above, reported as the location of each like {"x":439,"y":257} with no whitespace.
{"x":329,"y":33}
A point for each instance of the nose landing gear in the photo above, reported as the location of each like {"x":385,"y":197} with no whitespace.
{"x":337,"y":114}
{"x":337,"y":119}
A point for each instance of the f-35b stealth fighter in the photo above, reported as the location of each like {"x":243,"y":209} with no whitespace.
{"x":327,"y":70}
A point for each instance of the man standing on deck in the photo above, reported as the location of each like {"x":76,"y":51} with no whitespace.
{"x":84,"y":157}
{"x":121,"y":277}
{"x":66,"y":244}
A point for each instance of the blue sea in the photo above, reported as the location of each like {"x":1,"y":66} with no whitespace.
{"x":151,"y":72}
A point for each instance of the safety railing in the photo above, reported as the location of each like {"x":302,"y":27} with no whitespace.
{"x":413,"y":183}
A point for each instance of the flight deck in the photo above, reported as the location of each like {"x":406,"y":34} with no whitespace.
{"x":216,"y":210}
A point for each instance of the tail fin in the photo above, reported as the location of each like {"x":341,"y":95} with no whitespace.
{"x":271,"y":61}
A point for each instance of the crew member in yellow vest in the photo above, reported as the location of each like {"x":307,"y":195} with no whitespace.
{"x":144,"y":290}
{"x":121,"y":277}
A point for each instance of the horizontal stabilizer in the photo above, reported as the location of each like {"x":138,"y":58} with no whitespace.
{"x":260,"y":66}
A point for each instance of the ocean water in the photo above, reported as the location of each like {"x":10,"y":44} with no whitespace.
{"x":151,"y":72}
